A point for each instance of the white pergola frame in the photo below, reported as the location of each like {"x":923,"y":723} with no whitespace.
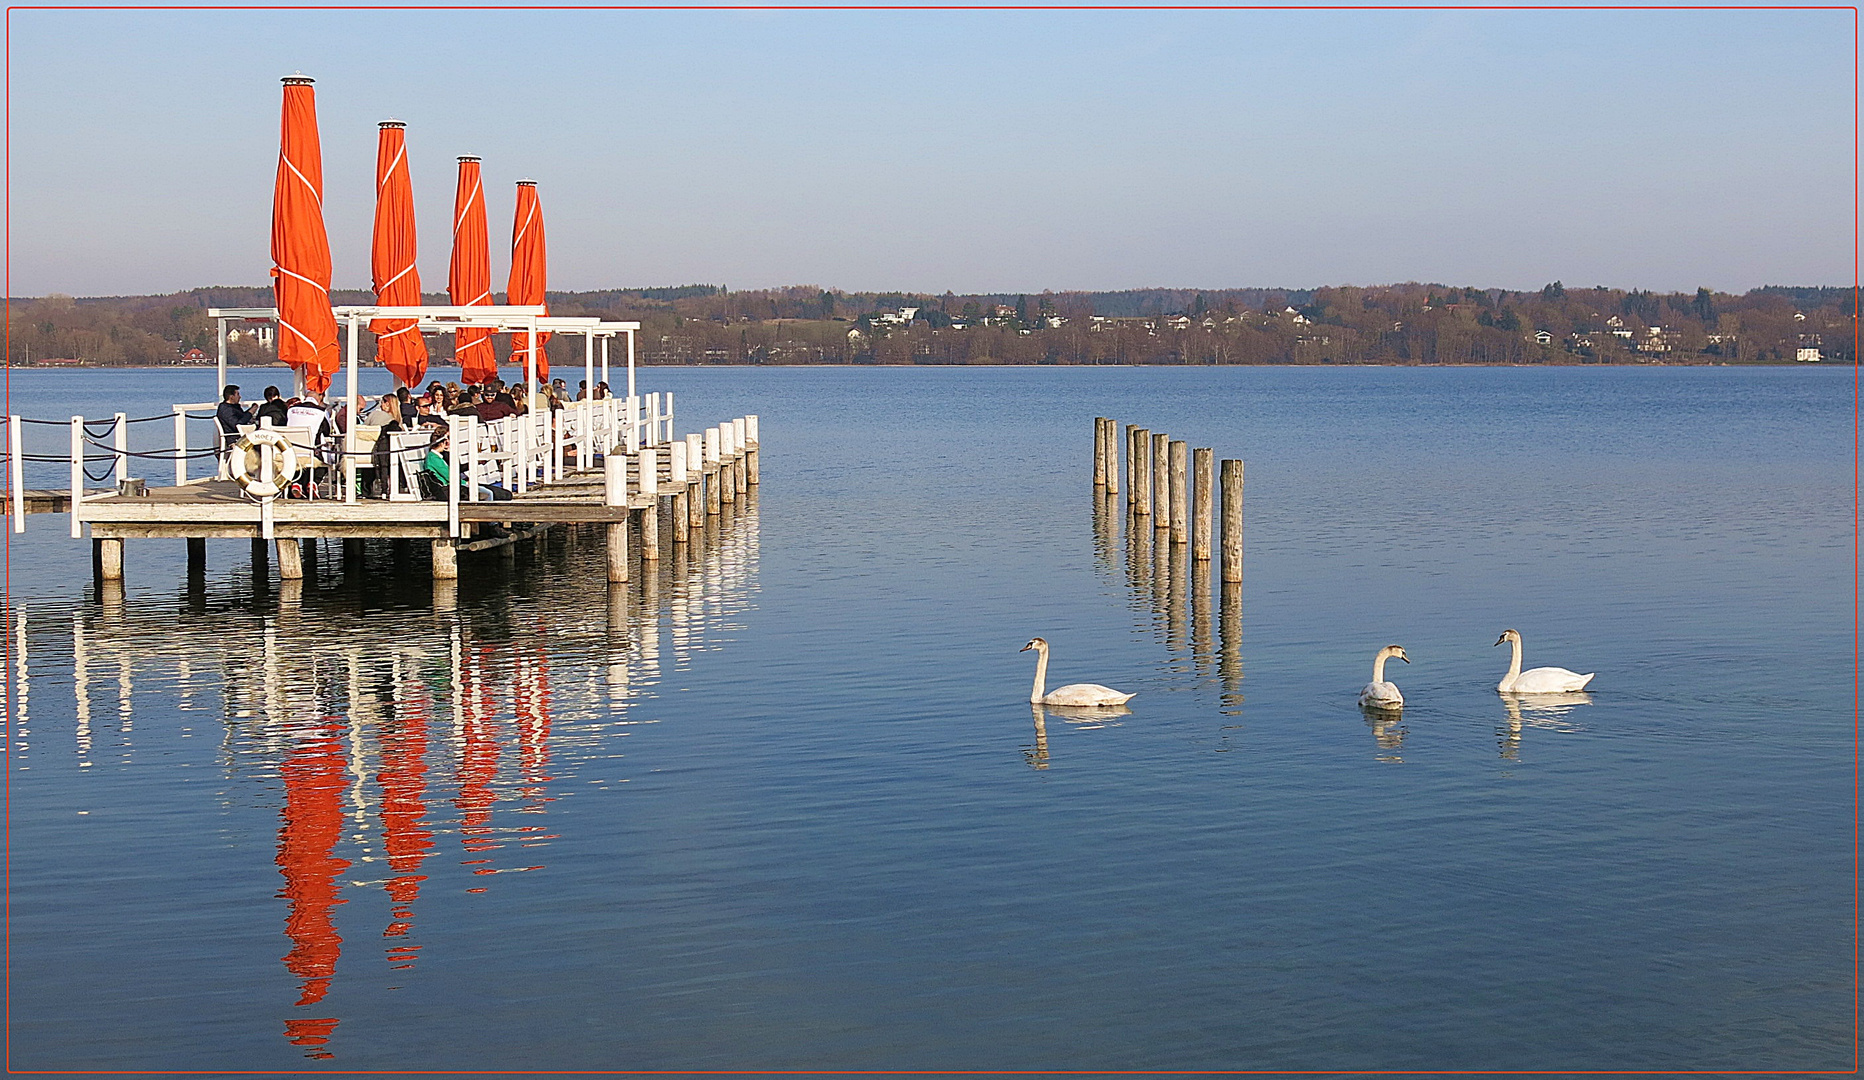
{"x":439,"y":319}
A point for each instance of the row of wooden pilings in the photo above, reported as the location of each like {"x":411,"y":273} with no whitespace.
{"x":707,"y":471}
{"x":1177,"y":488}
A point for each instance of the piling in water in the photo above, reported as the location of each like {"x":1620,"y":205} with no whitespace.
{"x":1161,"y":481}
{"x":1203,"y":495}
{"x":1180,"y":493}
{"x":1141,"y":456}
{"x":1232,"y":481}
{"x":1100,"y":453}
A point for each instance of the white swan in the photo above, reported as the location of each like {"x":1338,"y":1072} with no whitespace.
{"x":1378,"y":693}
{"x":1540,"y":680}
{"x":1076,"y":694}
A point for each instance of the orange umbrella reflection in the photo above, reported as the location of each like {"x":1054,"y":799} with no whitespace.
{"x":391,"y":257}
{"x":407,"y":842}
{"x":307,"y":327}
{"x":469,"y":275}
{"x":478,"y":767}
{"x":526,"y":284}
{"x":313,"y":775}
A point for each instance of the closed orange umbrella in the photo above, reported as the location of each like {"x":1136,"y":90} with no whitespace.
{"x":398,"y":342}
{"x":307,"y":327}
{"x":469,"y":275}
{"x":526,"y":285}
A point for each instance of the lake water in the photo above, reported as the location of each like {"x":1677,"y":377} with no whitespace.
{"x":782,"y":804}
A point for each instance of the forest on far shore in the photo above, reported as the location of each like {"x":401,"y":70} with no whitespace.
{"x":1407,"y":323}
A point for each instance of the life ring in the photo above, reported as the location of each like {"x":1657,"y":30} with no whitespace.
{"x":247,"y":456}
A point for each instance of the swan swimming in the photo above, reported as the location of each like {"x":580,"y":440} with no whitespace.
{"x":1378,"y":693}
{"x":1075,"y":694}
{"x":1540,"y":680}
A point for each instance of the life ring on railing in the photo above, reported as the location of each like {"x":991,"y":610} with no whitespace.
{"x":247,"y":456}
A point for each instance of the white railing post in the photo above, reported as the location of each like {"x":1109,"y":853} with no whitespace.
{"x":77,"y":475}
{"x":521,"y":458}
{"x":16,"y":472}
{"x":181,"y":445}
{"x":750,"y":430}
{"x":669,"y":416}
{"x":556,"y":444}
{"x":453,"y":476}
{"x":120,"y":443}
{"x":653,"y":419}
{"x":472,"y":454}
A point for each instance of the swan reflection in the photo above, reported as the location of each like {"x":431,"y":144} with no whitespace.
{"x":1080,"y":717}
{"x":1546,"y":711}
{"x":1388,"y":731}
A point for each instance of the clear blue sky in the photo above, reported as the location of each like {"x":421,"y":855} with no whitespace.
{"x":1011,"y":151}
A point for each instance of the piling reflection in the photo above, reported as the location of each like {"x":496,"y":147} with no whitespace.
{"x":408,"y":738}
{"x":1197,"y":620}
{"x":1552,"y":712}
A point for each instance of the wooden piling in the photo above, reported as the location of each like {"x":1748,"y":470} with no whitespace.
{"x":290,"y":559}
{"x":1141,"y":499}
{"x":1111,"y":447}
{"x":1132,"y":464}
{"x":750,"y":450}
{"x":1100,"y":454}
{"x":197,"y":553}
{"x":1232,"y":520}
{"x":446,"y":559}
{"x":617,"y":552}
{"x":352,"y":556}
{"x":1203,"y":492}
{"x":1180,"y":493}
{"x":1161,"y":481}
{"x":740,"y":475}
{"x":261,"y":556}
{"x":107,"y":559}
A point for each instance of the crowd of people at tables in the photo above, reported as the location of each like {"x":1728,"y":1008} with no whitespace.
{"x":402,"y":411}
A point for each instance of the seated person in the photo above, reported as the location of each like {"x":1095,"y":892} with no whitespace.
{"x":272,"y":408}
{"x":436,"y":467}
{"x":496,"y":408}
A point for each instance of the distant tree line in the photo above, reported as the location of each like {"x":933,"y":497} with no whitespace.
{"x":1408,"y":323}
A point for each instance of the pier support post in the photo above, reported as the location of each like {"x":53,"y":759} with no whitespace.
{"x":650,"y":531}
{"x":1232,"y":521}
{"x":290,"y":559}
{"x":352,"y":556}
{"x":750,"y":451}
{"x":261,"y":556}
{"x":197,"y":555}
{"x":1140,"y":455}
{"x":617,"y":552}
{"x":682,"y":517}
{"x":1180,"y":492}
{"x":1161,"y":481}
{"x":1112,"y":451}
{"x":107,"y":559}
{"x":1132,"y":464}
{"x":1203,"y":495}
{"x":446,"y":559}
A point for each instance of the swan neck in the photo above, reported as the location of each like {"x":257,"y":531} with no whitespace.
{"x":1514,"y":663}
{"x":1035,"y":693}
{"x":1378,"y":666}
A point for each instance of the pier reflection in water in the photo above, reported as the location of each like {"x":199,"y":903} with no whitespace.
{"x":409,"y":740}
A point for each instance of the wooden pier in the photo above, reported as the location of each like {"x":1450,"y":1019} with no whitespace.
{"x":673,"y":486}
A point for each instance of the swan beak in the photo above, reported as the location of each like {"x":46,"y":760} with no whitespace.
{"x":1025,"y":648}
{"x":1406,"y":659}
{"x":1499,"y":640}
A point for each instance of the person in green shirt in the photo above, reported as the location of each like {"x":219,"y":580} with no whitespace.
{"x":436,"y":466}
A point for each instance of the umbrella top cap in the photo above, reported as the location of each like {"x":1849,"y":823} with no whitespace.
{"x":469,"y":157}
{"x":297,"y":78}
{"x":527,"y":183}
{"x":391,"y":122}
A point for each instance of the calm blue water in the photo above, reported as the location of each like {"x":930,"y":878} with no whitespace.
{"x":782,"y":804}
